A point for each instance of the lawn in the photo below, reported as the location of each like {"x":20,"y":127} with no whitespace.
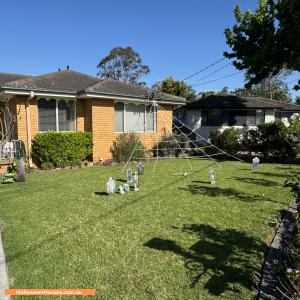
{"x":177,"y":238}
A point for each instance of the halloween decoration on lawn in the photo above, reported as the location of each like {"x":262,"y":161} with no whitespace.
{"x":110,"y":186}
{"x":129,"y":175}
{"x":136,"y":182}
{"x":212,"y":176}
{"x":140,"y":169}
{"x":255,"y":163}
{"x":9,"y":176}
{"x":124,"y":188}
{"x":20,"y":170}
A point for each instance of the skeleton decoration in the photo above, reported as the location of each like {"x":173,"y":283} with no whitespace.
{"x":255,"y":163}
{"x":20,"y":170}
{"x":140,"y":169}
{"x":136,"y":182}
{"x":129,"y":175}
{"x":110,"y":186}
{"x":212,"y":176}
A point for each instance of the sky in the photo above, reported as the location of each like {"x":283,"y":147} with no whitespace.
{"x":173,"y":37}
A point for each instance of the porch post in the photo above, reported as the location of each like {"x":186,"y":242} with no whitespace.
{"x":28,"y":127}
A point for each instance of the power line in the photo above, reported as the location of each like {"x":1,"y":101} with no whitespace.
{"x":213,"y":80}
{"x":209,"y":66}
{"x":214,"y":72}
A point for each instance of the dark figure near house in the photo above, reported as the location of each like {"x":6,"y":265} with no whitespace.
{"x":21,"y":176}
{"x":140,"y":169}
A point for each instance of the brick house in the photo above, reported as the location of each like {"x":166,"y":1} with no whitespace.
{"x":72,"y":101}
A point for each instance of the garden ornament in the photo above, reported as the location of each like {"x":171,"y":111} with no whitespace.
{"x":140,"y":169}
{"x":255,"y":163}
{"x":136,"y":181}
{"x":110,"y":186}
{"x":212,"y":176}
{"x":129,"y":175}
{"x":121,"y":189}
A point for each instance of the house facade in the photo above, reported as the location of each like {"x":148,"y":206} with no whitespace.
{"x":221,"y":111}
{"x":72,"y":101}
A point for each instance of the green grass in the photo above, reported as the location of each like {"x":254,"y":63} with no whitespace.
{"x":177,"y":238}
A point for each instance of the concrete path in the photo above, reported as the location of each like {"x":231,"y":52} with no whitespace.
{"x":3,"y":272}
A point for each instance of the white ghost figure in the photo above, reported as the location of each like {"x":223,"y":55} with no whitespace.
{"x":255,"y":162}
{"x":110,"y":186}
{"x":140,"y":168}
{"x":121,"y":189}
{"x":129,"y":175}
{"x":285,"y":122}
{"x":295,"y":116}
{"x":212,"y":176}
{"x":136,"y":182}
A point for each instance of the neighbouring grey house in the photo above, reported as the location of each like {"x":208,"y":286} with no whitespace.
{"x":221,"y":111}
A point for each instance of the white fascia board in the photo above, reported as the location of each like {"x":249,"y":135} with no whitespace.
{"x":40,"y":94}
{"x":117,"y":98}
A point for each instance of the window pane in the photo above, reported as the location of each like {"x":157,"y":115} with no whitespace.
{"x":260,"y":116}
{"x":214,"y":118}
{"x":119,"y":117}
{"x":66,"y":115}
{"x":47,"y":114}
{"x":135,"y":117}
{"x":150,"y":118}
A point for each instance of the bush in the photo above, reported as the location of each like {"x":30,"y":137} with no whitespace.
{"x":228,"y":140}
{"x":124,"y":145}
{"x":61,"y":149}
{"x":273,"y":142}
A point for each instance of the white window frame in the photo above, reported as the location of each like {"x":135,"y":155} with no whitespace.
{"x":56,"y":113}
{"x":145,"y":112}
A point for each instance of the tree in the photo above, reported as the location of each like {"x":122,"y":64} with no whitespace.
{"x":267,"y":41}
{"x":272,"y":87}
{"x":123,"y":64}
{"x":7,"y":121}
{"x":297,"y":100}
{"x":206,"y":94}
{"x":177,"y":87}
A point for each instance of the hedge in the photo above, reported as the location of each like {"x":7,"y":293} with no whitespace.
{"x":60,"y":149}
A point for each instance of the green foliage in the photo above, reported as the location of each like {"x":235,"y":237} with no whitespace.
{"x":123,"y":64}
{"x":266,"y":41}
{"x":227,"y":140}
{"x":124,"y":145}
{"x":61,"y":149}
{"x":178,"y":88}
{"x":294,"y":184}
{"x":272,"y":87}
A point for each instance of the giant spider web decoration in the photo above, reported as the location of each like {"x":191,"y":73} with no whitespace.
{"x":183,"y":138}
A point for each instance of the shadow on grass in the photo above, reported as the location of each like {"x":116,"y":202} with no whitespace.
{"x":219,"y":260}
{"x":263,"y":182}
{"x":214,"y":191}
{"x":101,"y":193}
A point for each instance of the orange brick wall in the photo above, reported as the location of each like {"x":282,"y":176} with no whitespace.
{"x":21,"y":133}
{"x":96,"y":115}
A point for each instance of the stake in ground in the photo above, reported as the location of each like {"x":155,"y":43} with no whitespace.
{"x":179,"y":237}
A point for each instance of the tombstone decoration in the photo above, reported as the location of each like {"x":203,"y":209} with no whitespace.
{"x":136,"y":182}
{"x":110,"y":186}
{"x":126,"y":187}
{"x":20,"y":170}
{"x":121,"y":189}
{"x":212,"y":176}
{"x":140,"y":169}
{"x":255,"y":163}
{"x":129,"y":175}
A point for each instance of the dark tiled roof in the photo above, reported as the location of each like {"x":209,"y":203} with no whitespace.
{"x":62,"y":81}
{"x":115,"y":87}
{"x":221,"y":101}
{"x":68,"y":81}
{"x":7,"y":77}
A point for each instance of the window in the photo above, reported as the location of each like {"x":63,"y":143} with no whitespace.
{"x":232,"y":117}
{"x":47,"y":114}
{"x":134,"y":118}
{"x":56,"y":115}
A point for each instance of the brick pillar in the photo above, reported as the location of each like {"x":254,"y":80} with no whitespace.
{"x":103,"y":127}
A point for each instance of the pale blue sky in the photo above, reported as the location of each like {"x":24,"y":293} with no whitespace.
{"x":174,"y":38}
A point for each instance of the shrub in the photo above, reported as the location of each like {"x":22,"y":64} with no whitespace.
{"x":273,"y":141}
{"x":124,"y":145}
{"x":60,"y":149}
{"x":228,"y":140}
